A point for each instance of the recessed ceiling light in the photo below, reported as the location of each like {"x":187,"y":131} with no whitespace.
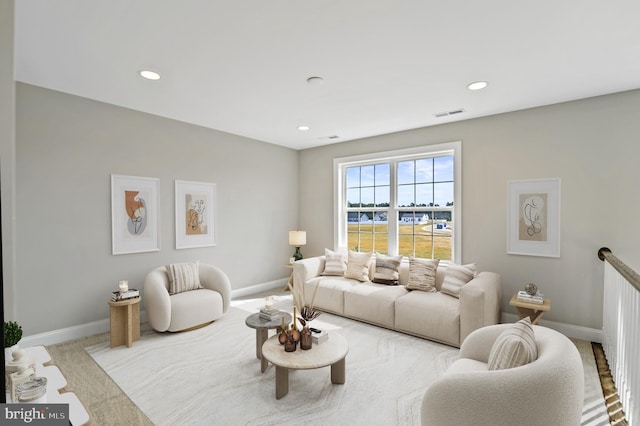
{"x":149,"y":75}
{"x":477,"y":85}
{"x":303,"y":128}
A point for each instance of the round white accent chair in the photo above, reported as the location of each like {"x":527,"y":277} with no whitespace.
{"x":189,"y":309}
{"x":547,"y":391}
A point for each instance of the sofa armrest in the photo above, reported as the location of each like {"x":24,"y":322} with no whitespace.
{"x":214,"y":278}
{"x":157,"y":300}
{"x":303,"y":271}
{"x":480,"y":302}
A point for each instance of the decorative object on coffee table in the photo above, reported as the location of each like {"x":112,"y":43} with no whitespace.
{"x":307,"y":314}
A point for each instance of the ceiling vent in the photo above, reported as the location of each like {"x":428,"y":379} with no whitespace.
{"x":448,"y":113}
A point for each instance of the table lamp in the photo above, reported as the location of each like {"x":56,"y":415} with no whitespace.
{"x":297,"y":239}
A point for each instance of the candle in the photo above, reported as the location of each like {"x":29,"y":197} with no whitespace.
{"x":268,"y":302}
{"x":123,"y":286}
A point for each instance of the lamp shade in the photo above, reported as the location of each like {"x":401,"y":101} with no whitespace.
{"x":297,"y":238}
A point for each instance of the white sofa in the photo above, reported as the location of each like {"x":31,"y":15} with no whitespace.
{"x":547,"y":391}
{"x":435,"y":316}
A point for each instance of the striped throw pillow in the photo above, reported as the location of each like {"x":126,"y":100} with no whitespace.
{"x":183,"y":277}
{"x":334,"y":264}
{"x":456,"y":276}
{"x":358,"y":266}
{"x":514,"y":347}
{"x":422,"y":274}
{"x":386,"y":271}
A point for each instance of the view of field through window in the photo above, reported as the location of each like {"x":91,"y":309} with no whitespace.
{"x":419,"y":199}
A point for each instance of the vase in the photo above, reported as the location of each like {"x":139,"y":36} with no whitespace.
{"x":305,"y":338}
{"x":290,"y":344}
{"x":8,"y":352}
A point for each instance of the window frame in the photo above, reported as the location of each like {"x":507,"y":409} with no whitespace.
{"x":340,"y":165}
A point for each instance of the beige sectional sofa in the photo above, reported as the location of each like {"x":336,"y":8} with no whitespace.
{"x":432,"y":315}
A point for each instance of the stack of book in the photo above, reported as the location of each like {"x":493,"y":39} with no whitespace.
{"x":269,"y":314}
{"x":318,"y":336}
{"x":523,"y":296}
{"x":118,"y":296}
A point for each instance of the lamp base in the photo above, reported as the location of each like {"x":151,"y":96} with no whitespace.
{"x":297,"y":255}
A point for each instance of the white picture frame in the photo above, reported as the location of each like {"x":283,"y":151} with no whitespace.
{"x":534,"y":217}
{"x":135,"y":214}
{"x":195,"y":204}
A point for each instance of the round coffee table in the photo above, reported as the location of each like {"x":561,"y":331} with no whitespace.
{"x":262,"y":332}
{"x":331,"y":352}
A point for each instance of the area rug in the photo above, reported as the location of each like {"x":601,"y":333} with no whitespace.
{"x":211,"y":376}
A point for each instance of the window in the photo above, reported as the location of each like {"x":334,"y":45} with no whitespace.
{"x":401,"y":202}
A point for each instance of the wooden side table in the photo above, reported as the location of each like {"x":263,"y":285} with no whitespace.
{"x":124,"y":317}
{"x":532,"y":310}
{"x":289,"y":285}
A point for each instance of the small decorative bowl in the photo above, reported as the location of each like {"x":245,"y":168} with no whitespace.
{"x":531,"y":288}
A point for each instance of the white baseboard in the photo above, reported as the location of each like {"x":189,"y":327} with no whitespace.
{"x":101,"y":326}
{"x":569,"y":330}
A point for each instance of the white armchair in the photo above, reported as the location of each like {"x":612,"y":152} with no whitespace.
{"x":189,"y":309}
{"x":547,"y":391}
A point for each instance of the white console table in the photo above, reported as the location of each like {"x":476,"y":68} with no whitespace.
{"x":56,"y":386}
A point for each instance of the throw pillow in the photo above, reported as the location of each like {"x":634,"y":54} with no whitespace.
{"x":514,"y":347}
{"x":183,"y":277}
{"x":422,"y":274}
{"x":334,"y":263}
{"x":456,"y":276}
{"x":386,"y":271}
{"x":358,"y":266}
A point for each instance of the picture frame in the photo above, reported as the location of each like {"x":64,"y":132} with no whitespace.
{"x":195,"y":214}
{"x":534,"y":217}
{"x":135,"y":214}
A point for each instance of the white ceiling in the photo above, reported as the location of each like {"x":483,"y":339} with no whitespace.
{"x":241,"y":66}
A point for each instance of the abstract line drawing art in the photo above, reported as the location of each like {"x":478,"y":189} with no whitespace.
{"x":533,"y":226}
{"x":134,"y":214}
{"x":195,"y":214}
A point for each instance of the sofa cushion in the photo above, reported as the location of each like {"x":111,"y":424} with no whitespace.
{"x":358,"y":266}
{"x":514,"y":347}
{"x":335,"y":263}
{"x":374,"y":303}
{"x":183,"y":277}
{"x":386,"y":270}
{"x":457,"y":276}
{"x":330,"y":294}
{"x":422,"y":274}
{"x":433,"y":315}
{"x":195,"y":307}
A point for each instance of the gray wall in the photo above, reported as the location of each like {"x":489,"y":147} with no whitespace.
{"x":7,"y":154}
{"x":67,"y":148}
{"x":592,"y":145}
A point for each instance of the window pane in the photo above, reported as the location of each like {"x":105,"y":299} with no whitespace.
{"x":405,"y":245}
{"x":405,"y":196}
{"x":381,"y":243}
{"x":352,"y":239}
{"x":366,"y":176}
{"x":382,"y":196}
{"x":405,"y":172}
{"x":383,"y":176}
{"x":424,"y":170}
{"x":353,"y":177}
{"x":424,"y":195}
{"x":366,"y":195}
{"x":423,"y":246}
{"x":443,"y":194}
{"x":443,"y":169}
{"x":443,"y":249}
{"x":353,"y":197}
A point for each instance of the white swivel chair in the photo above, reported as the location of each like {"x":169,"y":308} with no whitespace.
{"x":547,"y":391}
{"x":189,"y":309}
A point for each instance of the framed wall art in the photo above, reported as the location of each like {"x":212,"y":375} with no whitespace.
{"x":135,"y":218}
{"x":534,"y":217}
{"x":195,"y":214}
